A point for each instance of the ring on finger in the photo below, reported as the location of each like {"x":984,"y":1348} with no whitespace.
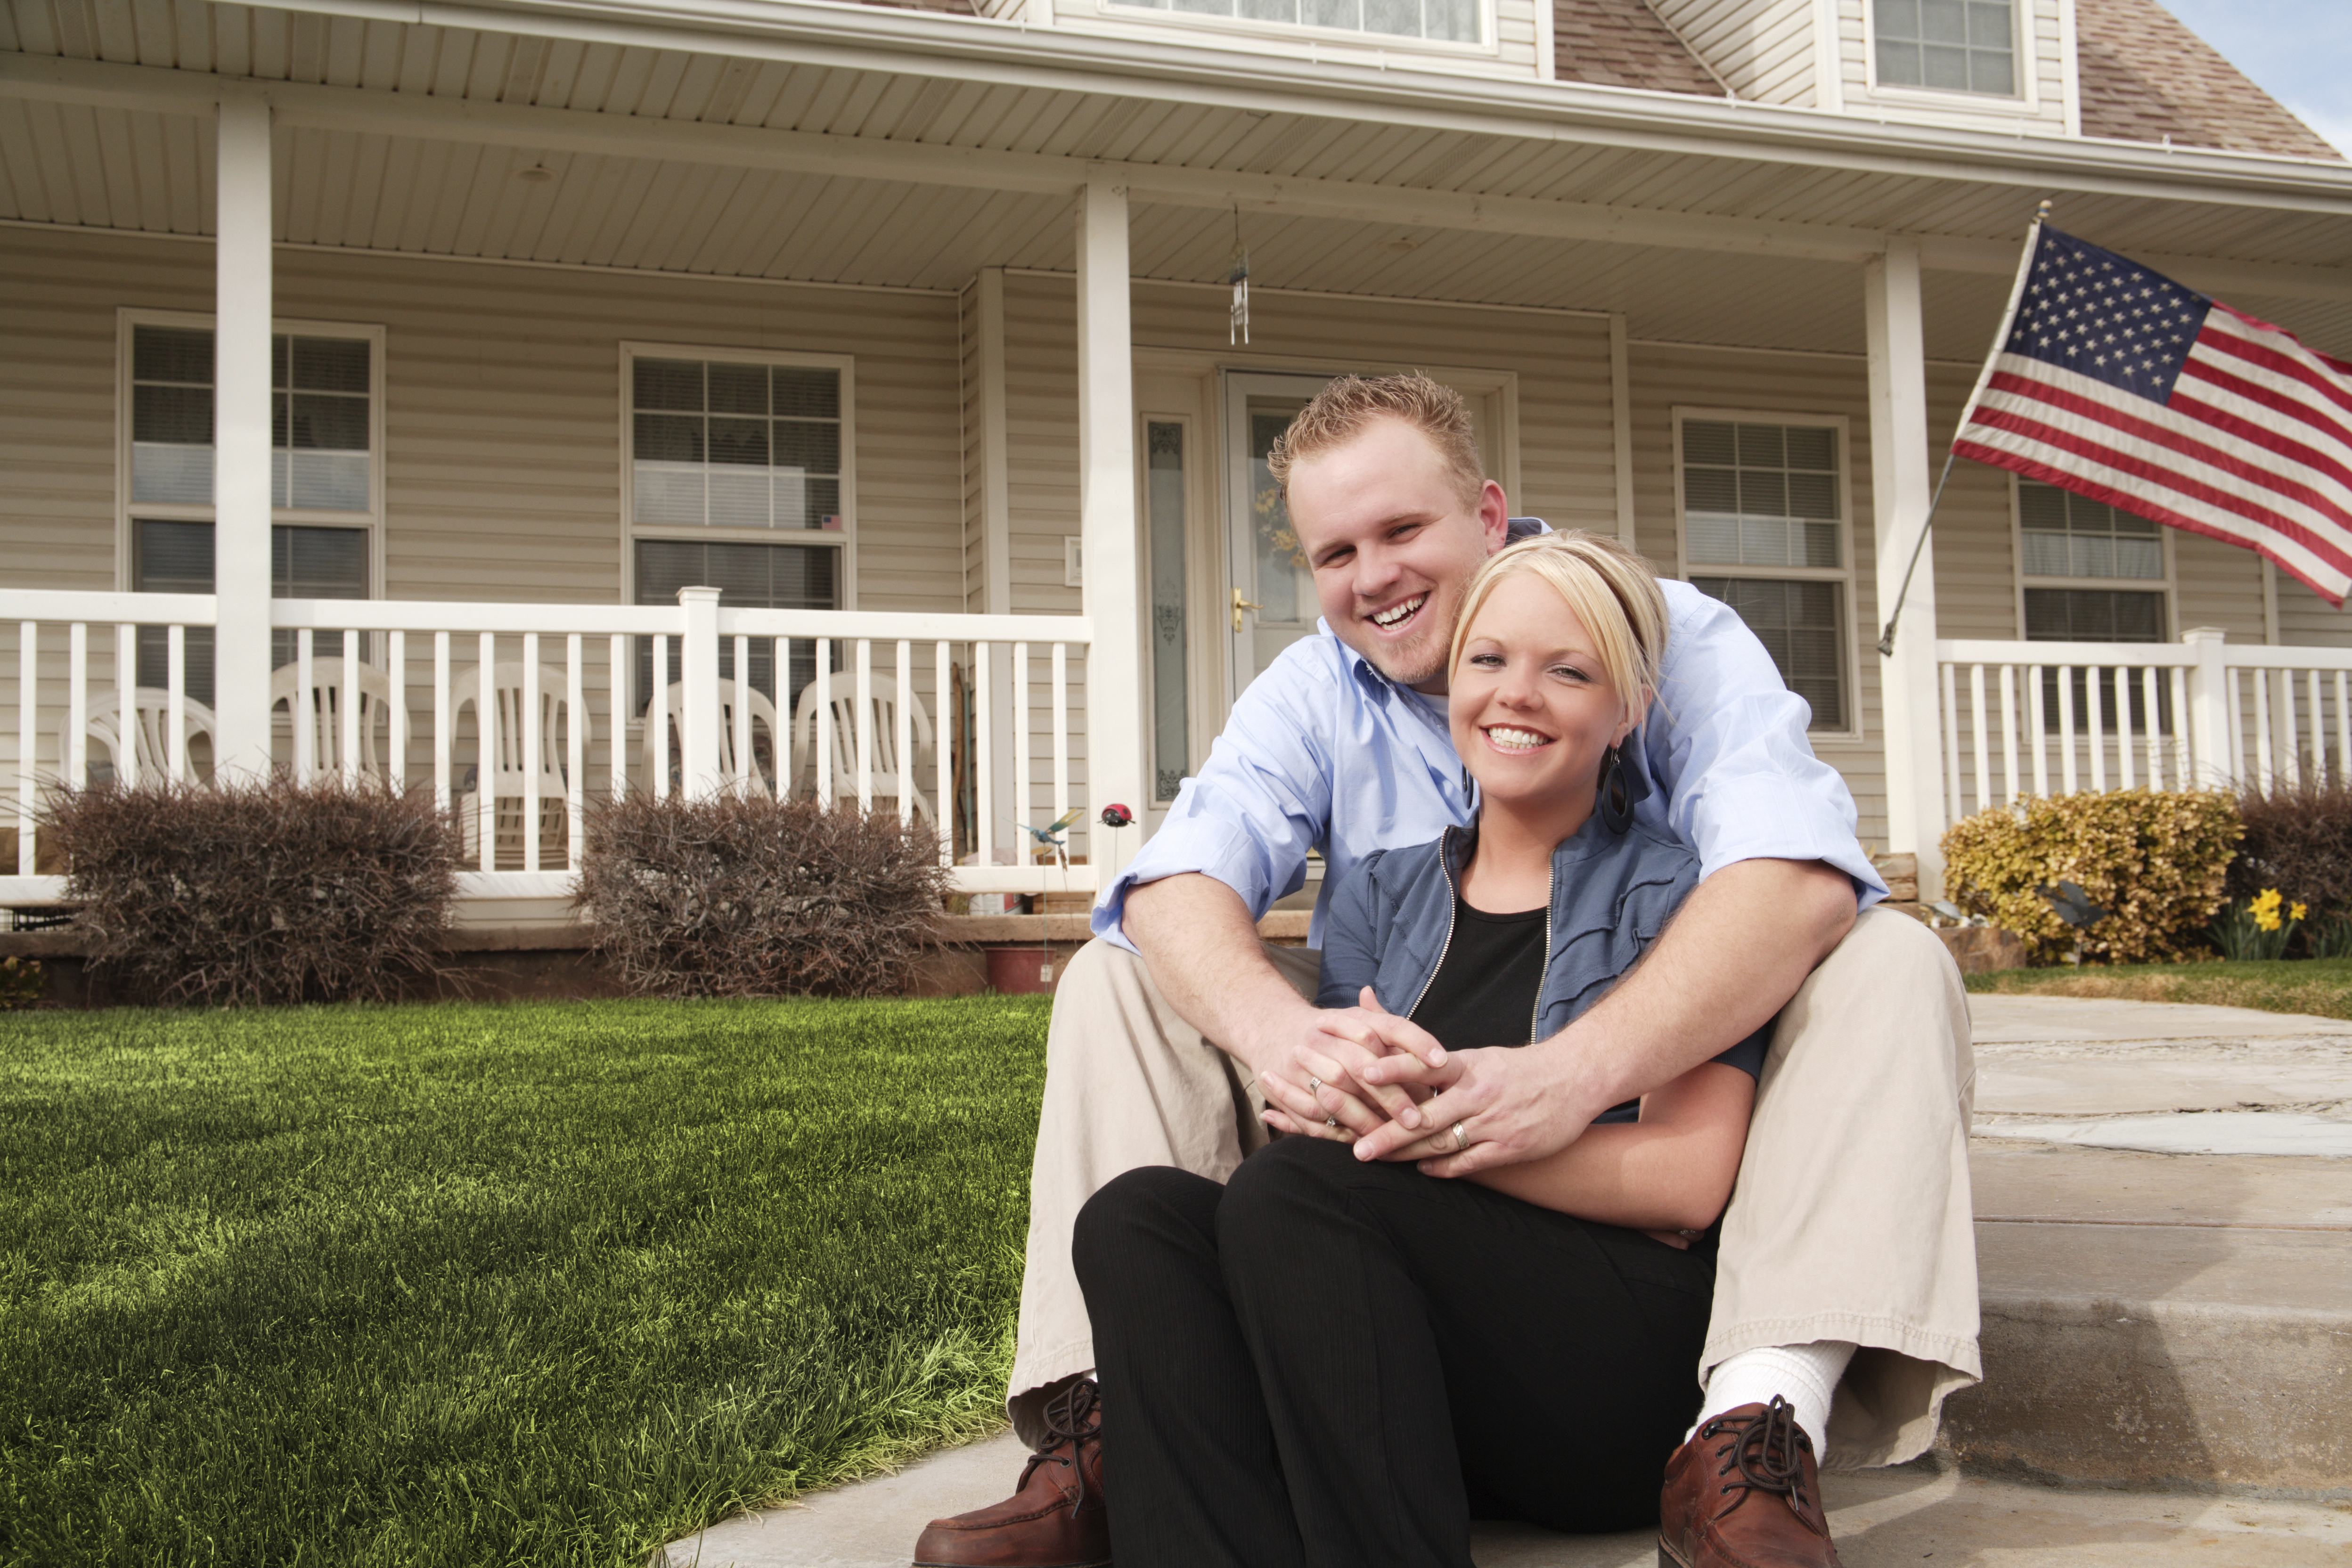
{"x":1314,"y":1085}
{"x":1331,"y":1121}
{"x":1461,"y":1139}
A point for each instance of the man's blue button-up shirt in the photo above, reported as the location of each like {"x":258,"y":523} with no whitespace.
{"x":1323,"y":751}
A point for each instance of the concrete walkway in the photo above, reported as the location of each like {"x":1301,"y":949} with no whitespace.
{"x":2164,"y":1204}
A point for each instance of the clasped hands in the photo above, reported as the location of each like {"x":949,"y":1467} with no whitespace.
{"x":1363,"y":1075}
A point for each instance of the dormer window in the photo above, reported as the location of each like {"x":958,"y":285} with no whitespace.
{"x":1946,"y":45}
{"x":1443,"y":21}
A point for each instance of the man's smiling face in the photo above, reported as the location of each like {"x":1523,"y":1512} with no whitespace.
{"x":1393,"y":543}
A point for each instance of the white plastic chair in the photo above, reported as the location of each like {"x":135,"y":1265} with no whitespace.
{"x":151,"y":714}
{"x":837,"y":693}
{"x":507,"y":772}
{"x":329,"y":692}
{"x":731,"y":768}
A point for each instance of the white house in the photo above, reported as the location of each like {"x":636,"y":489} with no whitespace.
{"x":351,"y":348}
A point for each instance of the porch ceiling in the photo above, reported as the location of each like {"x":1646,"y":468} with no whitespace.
{"x":110,"y":165}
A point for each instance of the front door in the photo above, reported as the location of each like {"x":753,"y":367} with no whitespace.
{"x":1270,"y":592}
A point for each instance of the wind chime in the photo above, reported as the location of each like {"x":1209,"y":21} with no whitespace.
{"x":1238,"y":274}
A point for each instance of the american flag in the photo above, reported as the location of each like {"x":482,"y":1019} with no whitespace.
{"x":2117,"y":384}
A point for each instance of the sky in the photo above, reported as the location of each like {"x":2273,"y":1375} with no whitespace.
{"x":2298,"y":51}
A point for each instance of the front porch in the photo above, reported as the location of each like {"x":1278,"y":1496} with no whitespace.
{"x":1025,"y":511}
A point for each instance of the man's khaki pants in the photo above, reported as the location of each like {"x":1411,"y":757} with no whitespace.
{"x":1851,"y":1219}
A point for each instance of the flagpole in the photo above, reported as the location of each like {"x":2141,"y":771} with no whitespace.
{"x":2008,"y":321}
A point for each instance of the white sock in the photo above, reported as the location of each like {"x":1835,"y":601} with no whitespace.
{"x":1804,"y":1375}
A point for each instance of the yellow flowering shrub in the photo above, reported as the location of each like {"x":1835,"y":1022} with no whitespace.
{"x":2154,"y":859}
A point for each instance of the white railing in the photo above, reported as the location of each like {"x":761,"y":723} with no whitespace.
{"x":549,"y":700}
{"x":2040,"y":718}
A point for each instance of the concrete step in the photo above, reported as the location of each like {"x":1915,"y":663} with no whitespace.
{"x":1909,"y":1515}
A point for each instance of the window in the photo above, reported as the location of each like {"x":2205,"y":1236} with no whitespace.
{"x":725,"y":444}
{"x":1450,"y":21}
{"x":1767,"y":499}
{"x":1946,"y":45}
{"x":2070,"y":550}
{"x":1164,"y":509}
{"x":749,"y":576}
{"x":320,"y":424}
{"x":304,"y":563}
{"x":325,"y":429}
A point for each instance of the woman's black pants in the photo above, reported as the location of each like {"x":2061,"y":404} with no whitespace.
{"x":1326,"y":1361}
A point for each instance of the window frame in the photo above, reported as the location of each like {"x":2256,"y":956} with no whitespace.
{"x":2026,"y":100}
{"x":2166,"y":589}
{"x":1488,"y":46}
{"x":1849,"y":655}
{"x":128,"y":513}
{"x":844,"y":539}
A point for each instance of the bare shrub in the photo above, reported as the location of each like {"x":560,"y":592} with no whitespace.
{"x":757,"y":898}
{"x":257,"y":892}
{"x":2299,"y":840}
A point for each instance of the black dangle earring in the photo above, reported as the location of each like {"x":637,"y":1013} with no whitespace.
{"x":1617,"y":796}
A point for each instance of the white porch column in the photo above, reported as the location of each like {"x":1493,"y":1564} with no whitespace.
{"x":1899,"y":498}
{"x":1114,"y":705}
{"x":242,"y":293}
{"x":698,"y":658}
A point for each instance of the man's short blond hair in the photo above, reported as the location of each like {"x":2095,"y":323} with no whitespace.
{"x":1341,"y":411}
{"x":1614,"y":592}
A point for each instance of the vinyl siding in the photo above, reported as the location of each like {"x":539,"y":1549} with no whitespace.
{"x":1763,"y":49}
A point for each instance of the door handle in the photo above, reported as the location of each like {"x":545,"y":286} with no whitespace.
{"x":1240,"y":605}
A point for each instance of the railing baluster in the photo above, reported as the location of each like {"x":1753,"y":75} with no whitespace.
{"x":2343,"y":730}
{"x":823,"y":740}
{"x":616,"y":702}
{"x":1977,"y":734}
{"x":1020,"y":747}
{"x":2184,"y":755}
{"x":902,"y":743}
{"x":2317,"y":708}
{"x":2067,"y":728}
{"x":575,"y":752}
{"x":2094,"y":720}
{"x":2041,"y":731}
{"x":2154,"y":728}
{"x":2124,"y":771}
{"x":2263,"y":779}
{"x":2009,"y":733}
{"x":395,"y":658}
{"x":745,"y":774}
{"x":28,"y":717}
{"x":175,"y":702}
{"x":657,"y":716}
{"x":865,"y":723}
{"x":983,"y":772}
{"x":348,"y":709}
{"x":530,"y":748}
{"x":1952,"y":803}
{"x":485,"y":749}
{"x":76,"y":760}
{"x":1062,"y":732}
{"x":790,"y":723}
{"x":445,"y":725}
{"x":2234,"y":723}
{"x":127,"y":726}
{"x":2290,"y":729}
{"x":303,"y":711}
{"x":943,"y":816}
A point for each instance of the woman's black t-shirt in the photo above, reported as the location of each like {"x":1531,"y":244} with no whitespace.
{"x":1484,"y":991}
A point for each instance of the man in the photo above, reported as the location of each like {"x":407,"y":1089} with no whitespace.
{"x":1847,"y":1268}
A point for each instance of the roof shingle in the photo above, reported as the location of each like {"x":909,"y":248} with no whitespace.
{"x":2147,"y":77}
{"x":1622,"y":43}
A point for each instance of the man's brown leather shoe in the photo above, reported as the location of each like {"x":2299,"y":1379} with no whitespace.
{"x":1745,"y":1492}
{"x":1055,"y":1518}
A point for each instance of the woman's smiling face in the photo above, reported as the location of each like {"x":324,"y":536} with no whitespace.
{"x":1533,"y":706}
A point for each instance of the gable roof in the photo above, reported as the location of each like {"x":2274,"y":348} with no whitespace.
{"x":1623,"y":43}
{"x":2145,"y":77}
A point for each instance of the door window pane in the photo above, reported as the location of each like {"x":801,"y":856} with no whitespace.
{"x":1760,"y":495}
{"x":718,"y":444}
{"x":320,"y":421}
{"x":2066,"y":535}
{"x":1164,"y":506}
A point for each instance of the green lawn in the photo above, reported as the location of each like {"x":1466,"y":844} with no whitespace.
{"x":489,"y":1285}
{"x":2320,"y":986}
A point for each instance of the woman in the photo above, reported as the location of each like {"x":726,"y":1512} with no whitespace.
{"x":1335,"y":1360}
